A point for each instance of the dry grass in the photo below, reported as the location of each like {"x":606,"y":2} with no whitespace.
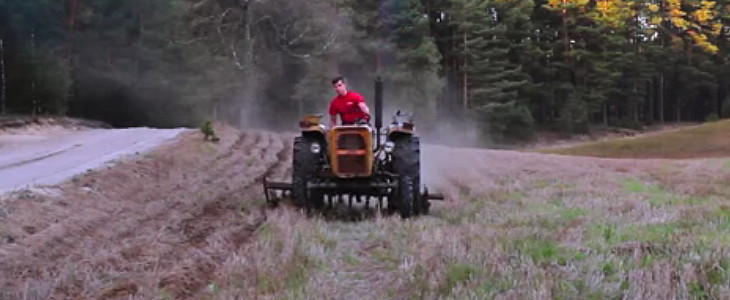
{"x":707,"y":140}
{"x":516,"y":226}
{"x":528,"y":226}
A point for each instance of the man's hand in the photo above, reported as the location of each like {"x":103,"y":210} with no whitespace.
{"x":333,"y":120}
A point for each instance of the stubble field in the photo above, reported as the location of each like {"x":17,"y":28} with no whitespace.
{"x":188,"y":221}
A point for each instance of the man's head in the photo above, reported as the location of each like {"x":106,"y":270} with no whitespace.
{"x":339,"y":84}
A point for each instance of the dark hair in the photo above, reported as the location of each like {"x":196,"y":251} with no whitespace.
{"x":338,"y":79}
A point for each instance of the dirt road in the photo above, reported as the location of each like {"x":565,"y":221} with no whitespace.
{"x":45,"y":159}
{"x":187,"y":221}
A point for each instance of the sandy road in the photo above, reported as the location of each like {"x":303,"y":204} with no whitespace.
{"x":27,"y":160}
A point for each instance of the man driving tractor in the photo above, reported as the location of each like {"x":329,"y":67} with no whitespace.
{"x":348,"y":104}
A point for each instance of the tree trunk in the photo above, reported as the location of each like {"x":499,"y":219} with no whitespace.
{"x":250,"y":93}
{"x":34,"y":107}
{"x":465,"y":83}
{"x":661,"y":98}
{"x":454,"y":64}
{"x":2,"y":78}
{"x":566,"y":40}
{"x":679,"y":112}
{"x":70,"y":59}
{"x":713,"y":104}
{"x":551,"y":105}
{"x":544,"y":118}
{"x":650,"y":99}
{"x":661,"y":81}
{"x":721,"y":96}
{"x":71,"y":23}
{"x":136,"y":51}
{"x":636,"y":102}
{"x":637,"y":75}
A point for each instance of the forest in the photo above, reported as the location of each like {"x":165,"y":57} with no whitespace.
{"x":506,"y":68}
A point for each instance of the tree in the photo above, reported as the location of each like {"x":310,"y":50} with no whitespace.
{"x":393,"y":40}
{"x":490,"y":55}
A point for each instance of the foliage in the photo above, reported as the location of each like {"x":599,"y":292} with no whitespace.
{"x":506,"y":122}
{"x":513,"y":66}
{"x":209,"y":132}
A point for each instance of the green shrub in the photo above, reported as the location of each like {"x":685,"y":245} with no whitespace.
{"x":209,"y":132}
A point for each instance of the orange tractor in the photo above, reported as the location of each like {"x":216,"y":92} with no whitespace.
{"x":357,"y":163}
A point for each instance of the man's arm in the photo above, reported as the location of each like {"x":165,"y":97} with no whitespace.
{"x":364,"y":107}
{"x":361,"y":103}
{"x":333,"y":120}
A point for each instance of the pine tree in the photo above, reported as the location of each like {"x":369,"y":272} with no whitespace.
{"x":394,"y":42}
{"x":491,"y":64}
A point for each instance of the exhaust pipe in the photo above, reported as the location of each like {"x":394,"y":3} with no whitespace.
{"x":378,"y":109}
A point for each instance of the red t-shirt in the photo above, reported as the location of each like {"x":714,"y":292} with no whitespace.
{"x":347,"y":106}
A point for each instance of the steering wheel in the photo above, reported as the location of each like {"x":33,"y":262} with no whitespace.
{"x":364,"y":120}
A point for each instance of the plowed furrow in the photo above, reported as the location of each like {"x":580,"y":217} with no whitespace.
{"x":283,"y":161}
{"x":170,"y":233}
{"x":61,"y":235}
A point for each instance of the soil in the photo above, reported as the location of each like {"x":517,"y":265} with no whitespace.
{"x":170,"y":223}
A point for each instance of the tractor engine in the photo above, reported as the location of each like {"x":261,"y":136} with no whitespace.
{"x":351,"y":151}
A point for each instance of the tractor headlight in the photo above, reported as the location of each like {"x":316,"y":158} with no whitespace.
{"x":315,"y":148}
{"x":388,"y":147}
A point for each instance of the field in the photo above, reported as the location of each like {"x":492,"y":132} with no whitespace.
{"x":188,"y":222}
{"x":706,"y":140}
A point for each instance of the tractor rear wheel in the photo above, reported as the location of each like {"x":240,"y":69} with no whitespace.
{"x":407,"y":164}
{"x":304,"y":166}
{"x":405,"y":197}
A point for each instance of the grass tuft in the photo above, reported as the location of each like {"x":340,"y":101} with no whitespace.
{"x":456,"y":274}
{"x":539,"y":249}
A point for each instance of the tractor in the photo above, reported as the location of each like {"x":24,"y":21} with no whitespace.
{"x":357,"y":162}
